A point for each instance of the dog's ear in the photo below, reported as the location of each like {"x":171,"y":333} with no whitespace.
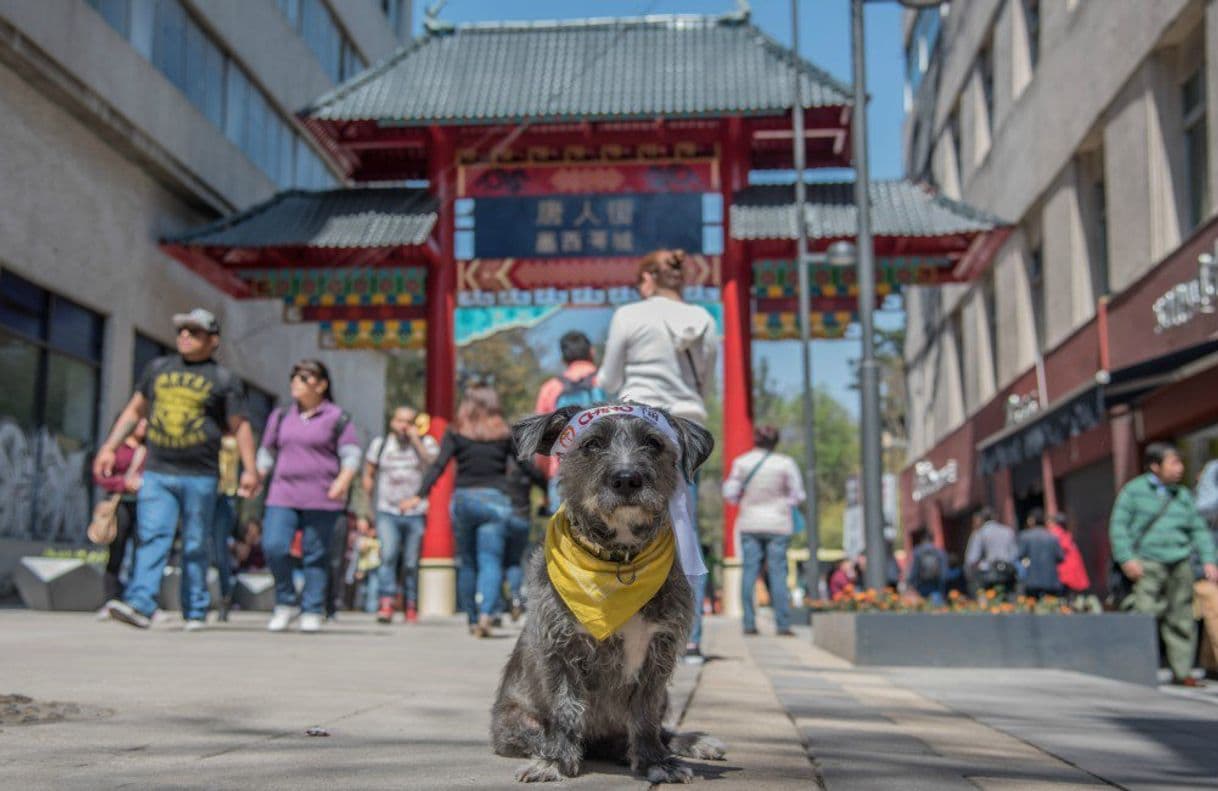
{"x":538,"y":434}
{"x":696,"y":444}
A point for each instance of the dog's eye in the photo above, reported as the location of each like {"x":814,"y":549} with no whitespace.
{"x":594,"y":444}
{"x":655,"y":443}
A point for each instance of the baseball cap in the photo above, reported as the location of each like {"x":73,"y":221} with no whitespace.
{"x":199,"y":317}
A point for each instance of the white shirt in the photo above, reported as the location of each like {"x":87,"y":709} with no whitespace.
{"x":661,"y":352}
{"x":399,"y":471}
{"x":766,"y":504}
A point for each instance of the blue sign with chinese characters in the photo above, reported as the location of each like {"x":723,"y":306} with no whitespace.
{"x":586,"y":226}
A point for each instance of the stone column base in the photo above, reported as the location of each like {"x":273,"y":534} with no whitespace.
{"x":437,"y":586}
{"x":732,"y":574}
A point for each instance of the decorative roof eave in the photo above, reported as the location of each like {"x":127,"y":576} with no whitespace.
{"x":759,"y":88}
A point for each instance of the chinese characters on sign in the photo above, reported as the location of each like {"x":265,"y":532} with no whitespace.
{"x":574,"y":226}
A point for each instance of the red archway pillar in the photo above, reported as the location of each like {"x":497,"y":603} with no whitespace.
{"x":737,"y":284}
{"x":437,"y":566}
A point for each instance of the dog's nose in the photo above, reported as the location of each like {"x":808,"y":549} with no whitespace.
{"x":627,"y":480}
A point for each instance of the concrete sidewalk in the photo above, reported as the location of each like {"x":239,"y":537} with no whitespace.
{"x":405,"y":707}
{"x":408,"y":707}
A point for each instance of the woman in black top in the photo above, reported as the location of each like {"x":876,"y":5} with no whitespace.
{"x":481,"y":443}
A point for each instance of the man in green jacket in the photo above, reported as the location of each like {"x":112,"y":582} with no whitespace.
{"x":1154,"y":529}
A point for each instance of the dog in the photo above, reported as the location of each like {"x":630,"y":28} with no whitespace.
{"x":565,"y":695}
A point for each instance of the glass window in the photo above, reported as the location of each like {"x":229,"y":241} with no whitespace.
{"x":291,"y":10}
{"x":953,"y":128}
{"x":922,"y":43}
{"x":213,"y":83}
{"x":985,"y":69}
{"x":1036,"y":292}
{"x":236,"y":101}
{"x":989,"y":295}
{"x":19,"y":372}
{"x":23,"y":306}
{"x":114,"y":12}
{"x":1031,"y":21}
{"x":71,"y":400}
{"x":145,"y":351}
{"x":1196,"y":150}
{"x":142,"y":18}
{"x":194,"y":82}
{"x":75,"y":330}
{"x":168,"y":49}
{"x":255,"y":143}
{"x":286,"y":150}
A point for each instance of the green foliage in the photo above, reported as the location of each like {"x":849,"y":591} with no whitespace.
{"x":512,"y":361}
{"x":405,"y":381}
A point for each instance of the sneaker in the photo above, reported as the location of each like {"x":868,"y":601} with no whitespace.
{"x":412,"y":614}
{"x":1187,"y":681}
{"x":226,"y":605}
{"x":104,"y":613}
{"x":750,"y":632}
{"x":483,"y":627}
{"x":785,"y":633}
{"x":195,"y":625}
{"x":281,"y":616}
{"x":385,"y":613}
{"x":310,"y":622}
{"x":517,"y":610}
{"x":693,"y":655}
{"x":124,"y":612}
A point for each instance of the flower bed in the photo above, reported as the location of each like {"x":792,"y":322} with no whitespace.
{"x":886,"y":630}
{"x":888,"y":600}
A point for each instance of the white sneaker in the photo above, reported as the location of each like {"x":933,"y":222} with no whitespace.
{"x":281,"y":616}
{"x":194,"y":625}
{"x":310,"y":622}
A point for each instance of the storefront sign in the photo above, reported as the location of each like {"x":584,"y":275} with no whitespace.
{"x":1021,"y":407}
{"x":544,"y":178}
{"x":1181,"y":304}
{"x":928,"y":480}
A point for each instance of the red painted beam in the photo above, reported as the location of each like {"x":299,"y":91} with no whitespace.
{"x":209,"y":269}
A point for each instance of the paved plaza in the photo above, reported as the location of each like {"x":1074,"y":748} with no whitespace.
{"x":408,"y":707}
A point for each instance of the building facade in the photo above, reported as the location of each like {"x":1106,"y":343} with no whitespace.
{"x":1090,"y":126}
{"x":126,"y":121}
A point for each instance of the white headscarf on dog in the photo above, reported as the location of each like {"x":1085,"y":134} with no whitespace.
{"x":688,"y":549}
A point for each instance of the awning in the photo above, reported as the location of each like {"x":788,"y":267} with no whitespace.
{"x":1130,"y":383}
{"x":1077,"y":412}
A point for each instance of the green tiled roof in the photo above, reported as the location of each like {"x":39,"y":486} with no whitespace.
{"x":355,"y":217}
{"x":597,"y":69}
{"x":898,"y":208}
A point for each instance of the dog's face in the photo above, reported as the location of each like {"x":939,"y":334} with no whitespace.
{"x":618,"y":480}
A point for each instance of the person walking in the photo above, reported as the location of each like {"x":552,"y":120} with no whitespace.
{"x":765,"y":485}
{"x":928,"y":569}
{"x":1154,"y":528}
{"x":480,"y":442}
{"x":522,"y":477}
{"x":1071,"y":571}
{"x":991,"y":553}
{"x":125,"y":482}
{"x":393,"y":470}
{"x":661,"y":351}
{"x":190,"y":401}
{"x":310,"y":454}
{"x":576,"y":386}
{"x":1205,"y":592}
{"x":225,"y":524}
{"x":1040,"y":553}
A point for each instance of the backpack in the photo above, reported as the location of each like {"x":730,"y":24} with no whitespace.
{"x":1207,"y":492}
{"x":579,"y":392}
{"x":929,"y":567}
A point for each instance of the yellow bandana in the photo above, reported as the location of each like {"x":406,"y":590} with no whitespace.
{"x":604,"y":594}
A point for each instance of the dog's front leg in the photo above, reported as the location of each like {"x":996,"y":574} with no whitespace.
{"x":561,"y":750}
{"x":648,"y":755}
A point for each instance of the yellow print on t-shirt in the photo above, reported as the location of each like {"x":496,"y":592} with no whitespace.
{"x":178,"y":402}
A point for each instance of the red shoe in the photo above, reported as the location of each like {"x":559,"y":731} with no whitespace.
{"x":412,"y":615}
{"x":1187,"y":681}
{"x":385,"y":613}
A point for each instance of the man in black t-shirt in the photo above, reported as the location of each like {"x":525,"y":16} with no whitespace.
{"x":190,"y":402}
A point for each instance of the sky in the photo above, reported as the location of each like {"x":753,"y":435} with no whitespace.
{"x":824,"y":38}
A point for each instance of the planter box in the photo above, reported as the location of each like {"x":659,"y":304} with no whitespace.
{"x":1114,"y":645}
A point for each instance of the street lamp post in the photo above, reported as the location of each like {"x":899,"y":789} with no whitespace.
{"x":872,"y":488}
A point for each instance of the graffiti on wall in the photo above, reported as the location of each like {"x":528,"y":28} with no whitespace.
{"x":44,"y":490}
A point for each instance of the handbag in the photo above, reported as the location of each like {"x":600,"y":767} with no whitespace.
{"x":103,"y":527}
{"x":1120,"y":587}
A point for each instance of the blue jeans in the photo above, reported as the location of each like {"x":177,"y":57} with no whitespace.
{"x":401,"y":538}
{"x":480,"y":527}
{"x":279,"y":527}
{"x":222,"y":527}
{"x":755,"y":548}
{"x":932,"y":591}
{"x":517,"y":547}
{"x":696,"y":583}
{"x":163,"y":500}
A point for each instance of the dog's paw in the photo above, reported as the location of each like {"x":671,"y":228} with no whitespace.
{"x":540,"y":771}
{"x":700,"y":746}
{"x":669,"y":770}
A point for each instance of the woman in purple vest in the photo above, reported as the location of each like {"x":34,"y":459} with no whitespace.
{"x":310,"y":454}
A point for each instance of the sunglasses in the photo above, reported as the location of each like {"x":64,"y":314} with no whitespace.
{"x":303,"y":376}
{"x":194,"y":332}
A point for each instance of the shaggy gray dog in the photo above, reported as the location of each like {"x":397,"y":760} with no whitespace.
{"x":564,"y":695}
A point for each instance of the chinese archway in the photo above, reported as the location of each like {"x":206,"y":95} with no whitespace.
{"x":533,"y":164}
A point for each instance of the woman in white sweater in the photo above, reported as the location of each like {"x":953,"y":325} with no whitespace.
{"x":766,"y":486}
